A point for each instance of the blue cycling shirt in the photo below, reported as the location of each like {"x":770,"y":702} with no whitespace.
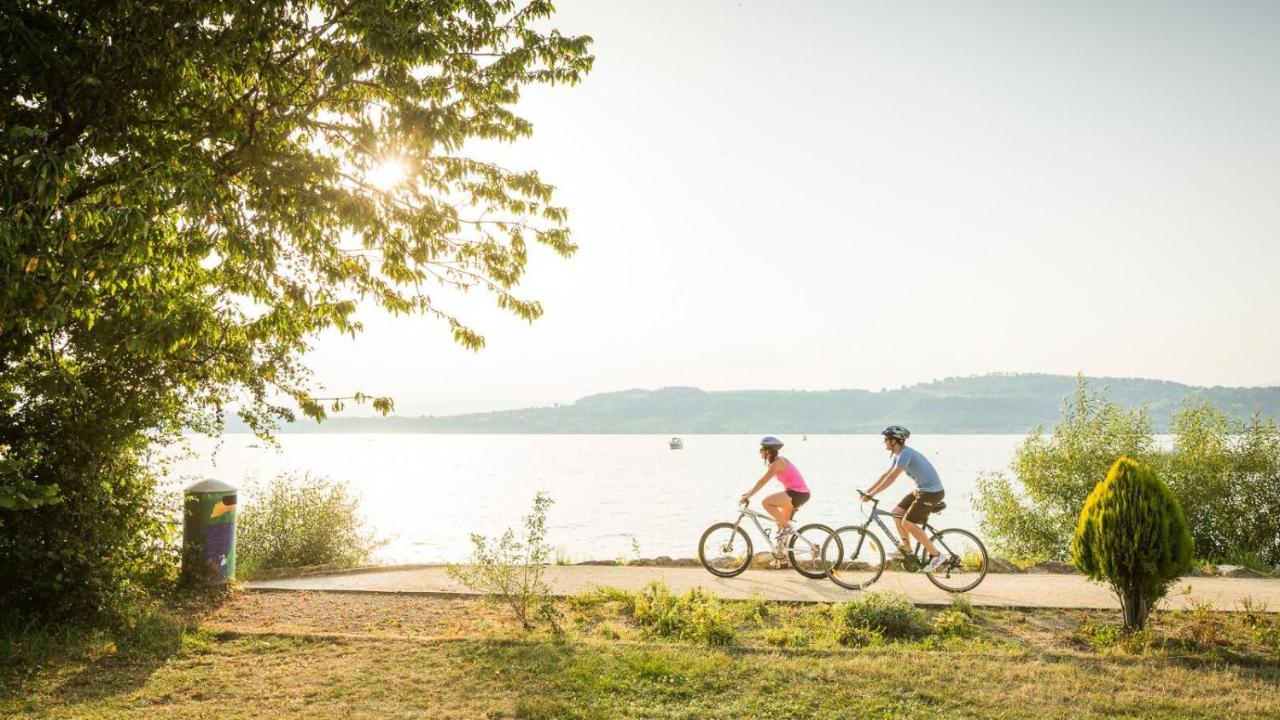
{"x":918,"y":468}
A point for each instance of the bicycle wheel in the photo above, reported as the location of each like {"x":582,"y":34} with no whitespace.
{"x":725,"y":550}
{"x":968,"y":563}
{"x":854,"y":558}
{"x":804,"y":549}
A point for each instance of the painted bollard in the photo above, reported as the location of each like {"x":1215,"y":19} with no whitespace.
{"x":209,"y":534}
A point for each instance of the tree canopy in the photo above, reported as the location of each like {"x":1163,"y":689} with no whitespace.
{"x":190,"y":195}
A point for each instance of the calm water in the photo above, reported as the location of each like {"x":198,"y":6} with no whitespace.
{"x":426,"y":493}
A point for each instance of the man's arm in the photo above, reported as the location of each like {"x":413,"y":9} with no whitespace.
{"x":885,"y":480}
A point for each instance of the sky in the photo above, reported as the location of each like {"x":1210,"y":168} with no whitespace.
{"x":820,"y":195}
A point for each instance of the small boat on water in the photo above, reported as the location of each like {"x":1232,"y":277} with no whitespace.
{"x":805,"y":438}
{"x":676,"y":443}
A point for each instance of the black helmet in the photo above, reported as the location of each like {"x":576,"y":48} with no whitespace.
{"x":769,"y":441}
{"x":897,"y":432}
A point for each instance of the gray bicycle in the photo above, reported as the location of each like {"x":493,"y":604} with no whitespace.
{"x":725,"y":548}
{"x":854,"y":557}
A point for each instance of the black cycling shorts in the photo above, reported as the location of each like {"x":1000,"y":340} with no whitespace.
{"x":797,"y":498}
{"x":915,"y":508}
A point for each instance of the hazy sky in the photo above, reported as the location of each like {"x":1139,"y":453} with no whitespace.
{"x":827,"y":195}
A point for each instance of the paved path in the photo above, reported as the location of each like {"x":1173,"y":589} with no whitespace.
{"x":1018,"y":591}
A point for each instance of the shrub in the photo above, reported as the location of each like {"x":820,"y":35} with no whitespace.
{"x":107,"y":544}
{"x":886,"y":614}
{"x":697,"y":615}
{"x":300,"y":521}
{"x":1133,"y":535}
{"x":1032,"y":514}
{"x":1224,"y":472}
{"x":953,"y":623}
{"x":962,"y":604}
{"x":510,"y":570}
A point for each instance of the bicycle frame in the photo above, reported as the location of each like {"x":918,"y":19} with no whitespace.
{"x":876,"y":514}
{"x":745,"y":511}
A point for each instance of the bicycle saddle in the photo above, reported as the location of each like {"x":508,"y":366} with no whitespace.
{"x":939,"y":507}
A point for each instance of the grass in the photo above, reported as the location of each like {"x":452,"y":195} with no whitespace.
{"x":312,"y":656}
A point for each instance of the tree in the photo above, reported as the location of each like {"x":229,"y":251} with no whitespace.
{"x":1132,"y":534}
{"x":188,"y":199}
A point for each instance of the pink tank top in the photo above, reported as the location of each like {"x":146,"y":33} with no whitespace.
{"x":791,"y":478}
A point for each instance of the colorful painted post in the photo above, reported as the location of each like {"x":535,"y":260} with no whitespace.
{"x":209,"y":534}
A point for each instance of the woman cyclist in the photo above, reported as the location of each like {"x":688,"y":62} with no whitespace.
{"x":782,"y":506}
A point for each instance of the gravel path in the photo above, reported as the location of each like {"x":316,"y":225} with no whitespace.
{"x":997,"y":590}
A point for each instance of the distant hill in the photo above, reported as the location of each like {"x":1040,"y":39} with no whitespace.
{"x":999,"y":403}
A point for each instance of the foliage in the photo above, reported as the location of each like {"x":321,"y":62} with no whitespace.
{"x":106,"y":545}
{"x":696,"y":615}
{"x":188,"y":200}
{"x":962,"y":604}
{"x":1032,"y":517}
{"x":886,"y":614}
{"x":299,"y":521}
{"x":1133,"y":535}
{"x":1224,"y":472}
{"x":510,"y":570}
{"x":953,"y":623}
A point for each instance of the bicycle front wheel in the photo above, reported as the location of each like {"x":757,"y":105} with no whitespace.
{"x":804,"y":549}
{"x":853,"y":557}
{"x":968,"y":564}
{"x":725,"y":550}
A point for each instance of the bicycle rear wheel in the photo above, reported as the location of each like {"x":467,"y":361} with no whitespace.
{"x":804,"y":550}
{"x":968,"y":564}
{"x":854,"y":558}
{"x":725,"y":550}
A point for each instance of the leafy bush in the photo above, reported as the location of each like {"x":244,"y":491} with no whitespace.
{"x":953,"y":623}
{"x":1031,"y":515}
{"x":107,"y":544}
{"x":300,"y":521}
{"x":962,"y":604}
{"x":886,"y":614}
{"x":1133,"y":535}
{"x":510,"y":570}
{"x":697,"y":615}
{"x":1225,"y":473}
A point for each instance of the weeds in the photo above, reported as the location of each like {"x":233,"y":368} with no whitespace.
{"x":510,"y":570}
{"x":888,"y":614}
{"x":696,"y":615}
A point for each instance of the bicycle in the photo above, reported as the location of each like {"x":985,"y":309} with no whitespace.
{"x":725,"y":548}
{"x":866,"y":560}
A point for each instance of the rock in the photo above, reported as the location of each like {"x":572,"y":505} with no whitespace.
{"x":1203,"y":571}
{"x":1238,"y":571}
{"x":686,"y":562}
{"x":1056,"y":567}
{"x":761,"y":560}
{"x":1000,"y":565}
{"x":598,"y":562}
{"x":663,"y":561}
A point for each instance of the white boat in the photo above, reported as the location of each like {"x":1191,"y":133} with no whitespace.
{"x":676,"y":443}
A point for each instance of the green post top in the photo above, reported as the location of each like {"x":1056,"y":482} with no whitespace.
{"x":209,"y":485}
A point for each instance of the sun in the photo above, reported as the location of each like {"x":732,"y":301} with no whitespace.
{"x":387,"y":174}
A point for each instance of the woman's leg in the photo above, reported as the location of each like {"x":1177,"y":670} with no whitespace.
{"x":779,"y":506}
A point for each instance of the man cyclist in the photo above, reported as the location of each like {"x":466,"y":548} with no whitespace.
{"x":913,"y":509}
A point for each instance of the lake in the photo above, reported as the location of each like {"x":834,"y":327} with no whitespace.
{"x":427,"y":493}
